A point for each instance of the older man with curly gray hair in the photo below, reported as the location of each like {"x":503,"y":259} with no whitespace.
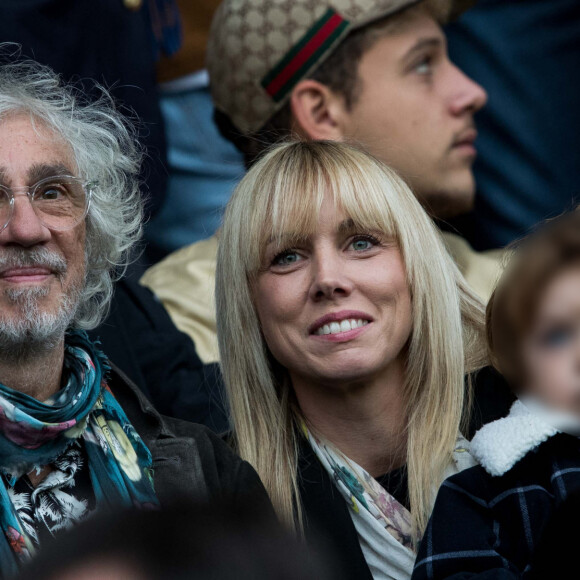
{"x":93,"y":209}
{"x":75,"y":434}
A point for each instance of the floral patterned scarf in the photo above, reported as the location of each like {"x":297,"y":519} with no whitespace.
{"x":383,"y":525}
{"x":35,"y":434}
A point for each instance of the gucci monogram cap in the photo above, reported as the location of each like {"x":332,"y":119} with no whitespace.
{"x":259,"y":49}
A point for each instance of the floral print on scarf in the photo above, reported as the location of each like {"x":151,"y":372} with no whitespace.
{"x":362,"y":491}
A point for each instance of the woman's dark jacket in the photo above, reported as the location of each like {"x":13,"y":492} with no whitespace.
{"x":327,"y":521}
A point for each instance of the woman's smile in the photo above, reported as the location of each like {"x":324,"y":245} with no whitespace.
{"x":340,"y":326}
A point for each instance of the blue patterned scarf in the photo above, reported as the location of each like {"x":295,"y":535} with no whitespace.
{"x":34,"y":434}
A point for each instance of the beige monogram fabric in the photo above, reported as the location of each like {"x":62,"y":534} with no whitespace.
{"x":251,"y":39}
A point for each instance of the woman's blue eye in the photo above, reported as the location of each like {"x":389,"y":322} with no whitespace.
{"x":286,"y":258}
{"x":556,"y":337}
{"x":361,"y":244}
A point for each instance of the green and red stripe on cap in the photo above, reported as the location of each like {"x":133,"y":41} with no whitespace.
{"x":315,"y":42}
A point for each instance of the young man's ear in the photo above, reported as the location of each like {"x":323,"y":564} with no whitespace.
{"x":317,"y":111}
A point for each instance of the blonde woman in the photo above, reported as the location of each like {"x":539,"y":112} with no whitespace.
{"x":345,"y":331}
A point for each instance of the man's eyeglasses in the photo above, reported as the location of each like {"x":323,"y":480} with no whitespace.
{"x":60,"y":202}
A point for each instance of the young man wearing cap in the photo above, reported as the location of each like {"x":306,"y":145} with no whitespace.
{"x":375,"y":72}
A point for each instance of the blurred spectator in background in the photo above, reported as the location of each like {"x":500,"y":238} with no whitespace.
{"x":203,"y":166}
{"x":526,"y":53}
{"x":109,"y":42}
{"x":490,"y":521}
{"x":179,"y":543}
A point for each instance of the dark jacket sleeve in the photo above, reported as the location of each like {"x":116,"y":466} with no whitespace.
{"x":460,"y":541}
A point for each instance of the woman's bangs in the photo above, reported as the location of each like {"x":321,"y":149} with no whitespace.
{"x":362,"y":194}
{"x":289,"y":213}
{"x":288,"y":197}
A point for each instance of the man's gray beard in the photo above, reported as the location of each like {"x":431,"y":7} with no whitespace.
{"x":30,"y":331}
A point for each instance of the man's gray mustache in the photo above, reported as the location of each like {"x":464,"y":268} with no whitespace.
{"x":43,"y":257}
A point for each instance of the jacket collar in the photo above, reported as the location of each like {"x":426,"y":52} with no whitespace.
{"x":143,"y":416}
{"x":326,"y":515}
{"x":499,"y":445}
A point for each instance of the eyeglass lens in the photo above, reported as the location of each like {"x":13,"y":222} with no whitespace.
{"x":60,"y":202}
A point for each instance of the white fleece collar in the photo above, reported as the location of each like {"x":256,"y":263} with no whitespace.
{"x":499,"y":445}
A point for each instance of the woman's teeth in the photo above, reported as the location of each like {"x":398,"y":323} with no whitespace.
{"x":343,"y":326}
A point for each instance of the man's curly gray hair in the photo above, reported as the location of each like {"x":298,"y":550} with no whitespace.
{"x":106,"y":151}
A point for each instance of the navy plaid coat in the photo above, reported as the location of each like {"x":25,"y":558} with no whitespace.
{"x":488,"y":527}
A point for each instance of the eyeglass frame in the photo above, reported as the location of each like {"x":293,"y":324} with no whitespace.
{"x":87,"y":187}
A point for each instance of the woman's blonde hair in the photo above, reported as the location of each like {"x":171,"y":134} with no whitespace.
{"x":282,"y":195}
